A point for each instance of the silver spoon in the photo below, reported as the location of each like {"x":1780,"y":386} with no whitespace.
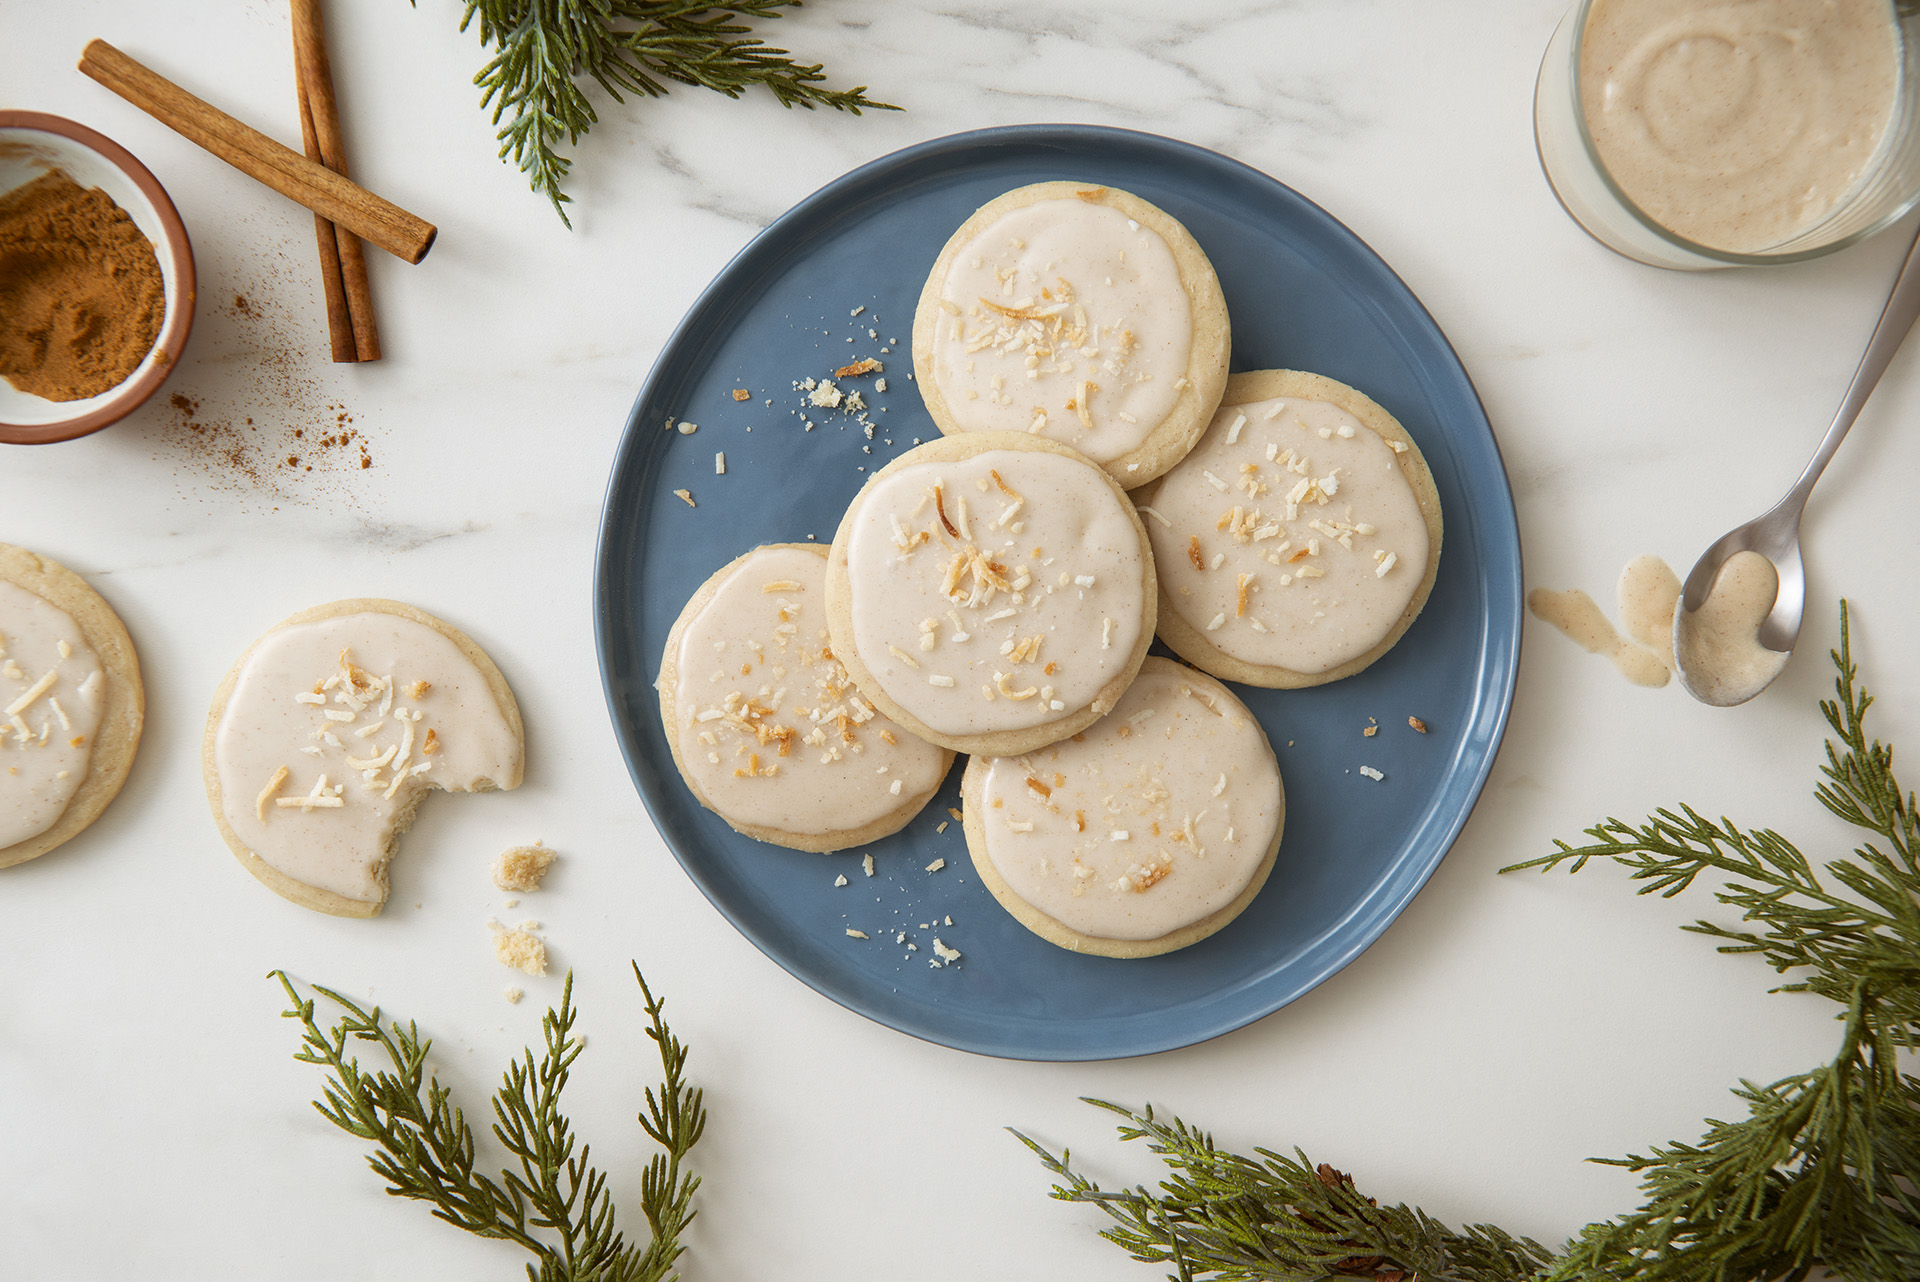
{"x":1775,"y":534}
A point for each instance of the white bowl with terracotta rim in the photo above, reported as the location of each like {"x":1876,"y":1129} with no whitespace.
{"x":33,"y":142}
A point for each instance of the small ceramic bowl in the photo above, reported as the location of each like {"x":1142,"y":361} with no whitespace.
{"x":32,"y":143}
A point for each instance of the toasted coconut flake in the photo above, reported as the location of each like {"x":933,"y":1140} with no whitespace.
{"x":867,"y":365}
{"x":1417,"y":724}
{"x":1000,"y":683}
{"x":684,"y":496}
{"x":1240,"y":600}
{"x":33,"y":692}
{"x":266,"y":793}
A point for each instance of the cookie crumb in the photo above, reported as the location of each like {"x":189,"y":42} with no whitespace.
{"x":513,"y":995}
{"x":742,"y":394}
{"x":521,"y":950}
{"x":522,"y":868}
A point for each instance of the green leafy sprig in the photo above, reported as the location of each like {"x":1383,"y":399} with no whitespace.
{"x":542,"y":49}
{"x":1822,"y":1171}
{"x":556,"y":1204}
{"x":1237,"y":1219}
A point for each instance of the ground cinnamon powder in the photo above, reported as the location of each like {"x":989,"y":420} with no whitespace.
{"x":81,"y":297}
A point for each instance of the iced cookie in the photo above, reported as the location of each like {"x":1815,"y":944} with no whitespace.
{"x":331,"y":729}
{"x":991,"y":592}
{"x":1081,"y":313}
{"x":1299,"y":539}
{"x":71,"y":705}
{"x":1148,"y":832}
{"x":764,"y":724}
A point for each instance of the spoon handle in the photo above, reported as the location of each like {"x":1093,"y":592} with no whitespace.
{"x":1903,"y":306}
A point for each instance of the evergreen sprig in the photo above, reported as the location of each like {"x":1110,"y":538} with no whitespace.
{"x":1823,"y":1171}
{"x":556,"y":1204}
{"x":1236,"y":1219}
{"x":543,"y":48}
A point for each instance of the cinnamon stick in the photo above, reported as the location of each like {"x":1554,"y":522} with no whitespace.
{"x":339,"y":323}
{"x":306,"y":182}
{"x":314,"y":71}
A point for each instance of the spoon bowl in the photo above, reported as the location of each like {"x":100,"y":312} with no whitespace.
{"x":1775,"y":534}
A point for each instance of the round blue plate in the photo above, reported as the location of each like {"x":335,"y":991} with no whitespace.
{"x":1303,"y":293}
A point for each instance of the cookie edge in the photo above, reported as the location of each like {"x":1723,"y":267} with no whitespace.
{"x":126,"y":705}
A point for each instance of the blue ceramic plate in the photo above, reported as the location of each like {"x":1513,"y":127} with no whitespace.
{"x":1304,"y":293}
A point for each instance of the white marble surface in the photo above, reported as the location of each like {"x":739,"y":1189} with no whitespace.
{"x":1501,"y":1032}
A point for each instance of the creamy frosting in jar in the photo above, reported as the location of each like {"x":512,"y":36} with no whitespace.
{"x":1289,"y":537}
{"x":769,"y":728}
{"x":333,"y":730}
{"x":52,"y":689}
{"x":996,"y":592}
{"x":1155,"y":817}
{"x":1067,"y":318}
{"x":1738,"y":124}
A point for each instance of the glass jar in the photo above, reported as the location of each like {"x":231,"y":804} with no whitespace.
{"x":1886,"y":186}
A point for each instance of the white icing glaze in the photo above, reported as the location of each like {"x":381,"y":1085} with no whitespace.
{"x":1050,"y":298}
{"x":1158,"y":816}
{"x":45,"y":740}
{"x":770,"y":730}
{"x":1306,"y":613}
{"x":930,"y":614}
{"x":341,"y":848}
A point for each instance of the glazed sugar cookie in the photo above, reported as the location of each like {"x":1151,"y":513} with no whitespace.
{"x":1079,"y":312}
{"x":1147,"y":833}
{"x":331,"y":729}
{"x":991,"y":592}
{"x":1299,"y":539}
{"x":766,"y":727}
{"x":71,"y":705}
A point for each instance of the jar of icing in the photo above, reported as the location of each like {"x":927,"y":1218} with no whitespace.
{"x":1698,"y":134}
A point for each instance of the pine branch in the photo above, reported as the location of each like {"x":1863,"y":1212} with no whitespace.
{"x":541,"y":49}
{"x":426,"y":1148}
{"x":1279,"y":1218}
